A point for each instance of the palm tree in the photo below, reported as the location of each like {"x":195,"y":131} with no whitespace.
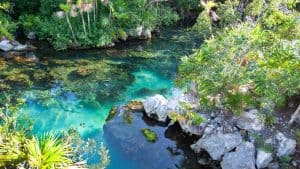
{"x":67,"y":8}
{"x":87,"y":7}
{"x":80,"y":6}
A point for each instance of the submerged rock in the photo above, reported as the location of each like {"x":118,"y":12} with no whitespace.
{"x":156,"y":107}
{"x":241,"y":158}
{"x":250,"y":121}
{"x":286,"y":146}
{"x":263,"y":159}
{"x":135,"y":105}
{"x":218,"y":144}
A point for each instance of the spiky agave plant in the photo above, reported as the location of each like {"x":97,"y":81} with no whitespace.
{"x":48,"y":152}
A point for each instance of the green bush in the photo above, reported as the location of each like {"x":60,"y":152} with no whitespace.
{"x":251,"y":63}
{"x":7,"y":26}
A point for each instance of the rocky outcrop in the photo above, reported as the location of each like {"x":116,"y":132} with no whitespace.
{"x":242,"y":158}
{"x":250,"y":121}
{"x":263,"y":159}
{"x":8,"y":45}
{"x":156,"y":107}
{"x":231,"y":140}
{"x":218,"y":144}
{"x":286,"y":146}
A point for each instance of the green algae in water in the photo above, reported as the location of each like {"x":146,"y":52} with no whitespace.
{"x":76,"y":89}
{"x":150,"y":135}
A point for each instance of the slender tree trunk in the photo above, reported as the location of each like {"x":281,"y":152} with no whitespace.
{"x":89,"y":21}
{"x":83,"y":23}
{"x":71,"y":28}
{"x":94,"y":7}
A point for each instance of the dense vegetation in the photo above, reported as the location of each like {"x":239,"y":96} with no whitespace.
{"x":250,"y":57}
{"x":89,"y":23}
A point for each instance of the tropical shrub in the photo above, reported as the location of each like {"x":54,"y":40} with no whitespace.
{"x":248,"y":62}
{"x":7,"y":26}
{"x":19,"y":148}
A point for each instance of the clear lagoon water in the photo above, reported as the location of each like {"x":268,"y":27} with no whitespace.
{"x":77,"y":89}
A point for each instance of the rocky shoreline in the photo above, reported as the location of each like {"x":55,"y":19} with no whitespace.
{"x":231,"y":141}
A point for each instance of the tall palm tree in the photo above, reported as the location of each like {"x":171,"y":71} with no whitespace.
{"x":88,"y":7}
{"x":67,"y":8}
{"x":80,"y":6}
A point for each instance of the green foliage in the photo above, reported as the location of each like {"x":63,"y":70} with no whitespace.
{"x":261,"y":144}
{"x":285,"y":162}
{"x":298,"y":136}
{"x":7,"y":26}
{"x":228,"y":15}
{"x":150,"y":135}
{"x":48,"y":152}
{"x":249,"y":63}
{"x":191,"y":117}
{"x":95,"y":23}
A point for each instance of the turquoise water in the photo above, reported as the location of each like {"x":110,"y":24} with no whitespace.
{"x":76,"y":89}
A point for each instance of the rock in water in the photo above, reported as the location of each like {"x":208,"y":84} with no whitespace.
{"x":6,"y":46}
{"x":286,"y":146}
{"x":218,"y":144}
{"x":250,"y":121}
{"x":20,"y":47}
{"x":263,"y":159}
{"x":31,"y":36}
{"x":146,"y":33}
{"x":242,"y":158}
{"x":139,"y":31}
{"x":156,"y":107}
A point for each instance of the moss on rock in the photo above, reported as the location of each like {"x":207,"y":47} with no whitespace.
{"x":150,"y":135}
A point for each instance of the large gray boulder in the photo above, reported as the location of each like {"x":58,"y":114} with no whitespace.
{"x":286,"y":146}
{"x":242,"y":158}
{"x":263,"y":159}
{"x":218,"y":144}
{"x":250,"y":121}
{"x":6,"y":46}
{"x":156,"y":107}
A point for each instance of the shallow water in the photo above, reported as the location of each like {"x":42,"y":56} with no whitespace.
{"x":76,"y":89}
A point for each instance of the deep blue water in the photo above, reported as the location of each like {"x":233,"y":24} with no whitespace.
{"x":76,"y":89}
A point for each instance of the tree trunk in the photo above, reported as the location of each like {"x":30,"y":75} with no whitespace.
{"x":94,"y":7}
{"x":83,"y":23}
{"x":71,"y":28}
{"x":89,"y":21}
{"x":295,"y":116}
